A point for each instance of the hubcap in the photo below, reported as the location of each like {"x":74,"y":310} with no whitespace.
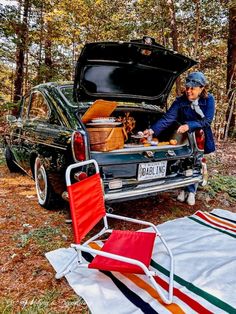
{"x":40,"y":181}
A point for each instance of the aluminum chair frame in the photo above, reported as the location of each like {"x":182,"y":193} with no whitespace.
{"x":79,"y":248}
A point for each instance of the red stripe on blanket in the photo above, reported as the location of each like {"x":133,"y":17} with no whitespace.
{"x":201,"y":215}
{"x":183,"y":297}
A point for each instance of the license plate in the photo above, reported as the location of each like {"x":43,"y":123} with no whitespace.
{"x":152,"y":170}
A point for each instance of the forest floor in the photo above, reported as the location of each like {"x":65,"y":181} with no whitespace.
{"x":28,"y":231}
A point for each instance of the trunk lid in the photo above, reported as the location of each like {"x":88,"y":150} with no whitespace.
{"x":128,"y":71}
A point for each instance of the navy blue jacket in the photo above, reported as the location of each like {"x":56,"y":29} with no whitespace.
{"x":182,"y":112}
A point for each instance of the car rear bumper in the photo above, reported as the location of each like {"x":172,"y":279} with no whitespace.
{"x":149,"y":189}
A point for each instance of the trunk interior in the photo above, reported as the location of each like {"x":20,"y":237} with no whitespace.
{"x":125,"y":163}
{"x":135,"y":120}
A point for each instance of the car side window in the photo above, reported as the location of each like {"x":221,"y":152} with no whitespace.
{"x":39,"y":109}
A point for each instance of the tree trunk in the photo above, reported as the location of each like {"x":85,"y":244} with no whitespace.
{"x":231,"y":111}
{"x":174,"y":35}
{"x":26,"y":75}
{"x":39,"y":69}
{"x":196,"y":35}
{"x":20,"y":53}
{"x":48,"y":54}
{"x":26,"y":66}
{"x":231,"y":72}
{"x":19,"y":74}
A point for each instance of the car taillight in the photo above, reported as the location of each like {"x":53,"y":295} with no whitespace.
{"x":78,"y":146}
{"x":79,"y":176}
{"x":200,"y":139}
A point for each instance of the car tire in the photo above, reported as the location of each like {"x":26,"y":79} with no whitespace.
{"x":45,"y":193}
{"x":10,"y":161}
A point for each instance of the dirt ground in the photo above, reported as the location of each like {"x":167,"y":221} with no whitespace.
{"x":28,"y":231}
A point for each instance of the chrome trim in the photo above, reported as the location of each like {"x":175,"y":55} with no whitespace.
{"x":141,"y":149}
{"x":26,"y":138}
{"x":86,"y":143}
{"x":72,"y":146}
{"x":171,"y":153}
{"x":152,"y":189}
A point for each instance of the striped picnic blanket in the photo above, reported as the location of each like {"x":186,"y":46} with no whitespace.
{"x":204,"y":247}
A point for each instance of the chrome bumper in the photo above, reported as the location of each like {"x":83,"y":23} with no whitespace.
{"x":151,"y":189}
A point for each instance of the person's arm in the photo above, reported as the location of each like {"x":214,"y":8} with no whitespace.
{"x":209,"y":115}
{"x":169,"y":117}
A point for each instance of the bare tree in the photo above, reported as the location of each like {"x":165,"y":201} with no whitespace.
{"x":174,"y":35}
{"x":198,"y":18}
{"x":48,"y":53}
{"x":231,"y":71}
{"x":20,"y":50}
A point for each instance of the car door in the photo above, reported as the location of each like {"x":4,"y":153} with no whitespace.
{"x":37,"y":115}
{"x":16,"y":132}
{"x":44,"y":135}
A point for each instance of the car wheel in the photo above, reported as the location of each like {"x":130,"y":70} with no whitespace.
{"x":10,"y":161}
{"x":42,"y":184}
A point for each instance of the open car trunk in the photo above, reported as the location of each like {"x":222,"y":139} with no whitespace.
{"x":136,"y":164}
{"x":138,"y":77}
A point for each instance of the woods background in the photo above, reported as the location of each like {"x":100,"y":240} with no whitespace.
{"x":40,"y":40}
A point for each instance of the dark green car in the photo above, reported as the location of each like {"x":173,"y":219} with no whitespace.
{"x":48,"y":134}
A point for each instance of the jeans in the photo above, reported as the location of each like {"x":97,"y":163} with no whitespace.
{"x":191,"y":188}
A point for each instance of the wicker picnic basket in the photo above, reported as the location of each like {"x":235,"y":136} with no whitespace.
{"x":106,"y":139}
{"x":100,"y":108}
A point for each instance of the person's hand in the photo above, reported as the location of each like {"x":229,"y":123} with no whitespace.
{"x":183,"y":128}
{"x":148,"y":133}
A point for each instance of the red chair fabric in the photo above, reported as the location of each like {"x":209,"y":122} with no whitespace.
{"x":87,"y":205}
{"x":132,"y":244}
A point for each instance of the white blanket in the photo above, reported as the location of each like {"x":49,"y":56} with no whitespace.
{"x":204,"y":248}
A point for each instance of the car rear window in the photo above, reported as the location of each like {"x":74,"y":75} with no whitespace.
{"x":67,"y":91}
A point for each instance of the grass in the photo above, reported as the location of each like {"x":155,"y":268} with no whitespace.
{"x":76,"y":302}
{"x":44,"y":304}
{"x":222,"y":183}
{"x":40,"y":305}
{"x":176,"y":211}
{"x":6,"y":306}
{"x":46,"y":238}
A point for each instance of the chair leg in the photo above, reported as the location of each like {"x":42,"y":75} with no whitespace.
{"x":171,"y":275}
{"x":167,"y":300}
{"x":170,"y":294}
{"x":66,"y":269}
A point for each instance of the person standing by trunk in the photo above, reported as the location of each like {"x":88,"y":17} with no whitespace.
{"x":194,"y":110}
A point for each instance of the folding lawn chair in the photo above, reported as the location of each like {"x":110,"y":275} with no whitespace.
{"x":123,"y":251}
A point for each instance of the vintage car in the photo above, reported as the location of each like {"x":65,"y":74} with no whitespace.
{"x":120,"y":89}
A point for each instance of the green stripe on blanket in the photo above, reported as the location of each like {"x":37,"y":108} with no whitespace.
{"x":205,"y":295}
